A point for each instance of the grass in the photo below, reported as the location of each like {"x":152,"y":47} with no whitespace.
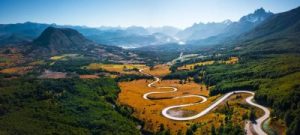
{"x":16,"y":70}
{"x":8,"y":60}
{"x":231,"y":60}
{"x":158,"y":70}
{"x":88,"y":76}
{"x":149,"y":111}
{"x":64,"y":57}
{"x":37,"y":63}
{"x":119,"y":68}
{"x":191,"y":66}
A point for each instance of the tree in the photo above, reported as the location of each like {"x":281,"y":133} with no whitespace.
{"x":7,"y":51}
{"x":189,"y":131}
{"x":245,"y":116}
{"x":168,"y":132}
{"x":294,"y":128}
{"x":288,"y":118}
{"x":194,"y":127}
{"x":179,"y":132}
{"x":213,"y":130}
{"x":161,"y":127}
{"x":221,"y":129}
{"x":252,"y":116}
{"x":124,"y":68}
{"x":180,"y":81}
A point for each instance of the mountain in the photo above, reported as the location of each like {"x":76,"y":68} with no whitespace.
{"x":59,"y":41}
{"x":167,"y":30}
{"x":54,"y":41}
{"x":61,"y":38}
{"x":235,"y":29}
{"x":203,"y":30}
{"x":13,"y":39}
{"x":278,"y":34}
{"x":20,"y":32}
{"x":286,"y":23}
{"x":27,"y":29}
{"x":136,"y":30}
{"x":130,"y":37}
{"x":247,"y":22}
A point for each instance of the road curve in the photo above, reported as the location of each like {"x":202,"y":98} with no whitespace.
{"x":259,"y":122}
{"x":256,"y":126}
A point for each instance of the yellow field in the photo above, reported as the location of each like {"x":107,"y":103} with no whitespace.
{"x":11,"y":59}
{"x":150,"y":110}
{"x":57,"y":57}
{"x":231,"y":60}
{"x":35,"y":63}
{"x":62,"y":57}
{"x":88,"y":76}
{"x":191,"y":66}
{"x":16,"y":70}
{"x":278,"y":125}
{"x":158,"y":70}
{"x":120,"y":68}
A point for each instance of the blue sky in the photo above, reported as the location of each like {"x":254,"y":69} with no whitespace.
{"x":94,"y":13}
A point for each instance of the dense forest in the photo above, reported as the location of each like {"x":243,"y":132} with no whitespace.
{"x":63,"y":106}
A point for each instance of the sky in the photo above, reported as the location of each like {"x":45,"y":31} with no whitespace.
{"x":124,"y":13}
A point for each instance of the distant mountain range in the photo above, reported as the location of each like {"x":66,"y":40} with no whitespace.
{"x":58,"y":41}
{"x":277,"y":34}
{"x":260,"y":31}
{"x":203,"y":30}
{"x":254,"y":25}
{"x":135,"y":36}
{"x":130,"y":37}
{"x":235,"y":29}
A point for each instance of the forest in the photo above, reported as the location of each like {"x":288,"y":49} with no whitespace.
{"x":63,"y":106}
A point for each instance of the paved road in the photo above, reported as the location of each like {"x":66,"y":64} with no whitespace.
{"x":256,"y":126}
{"x":259,"y":122}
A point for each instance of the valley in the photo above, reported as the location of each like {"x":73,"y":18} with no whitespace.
{"x":232,"y":77}
{"x":194,"y":106}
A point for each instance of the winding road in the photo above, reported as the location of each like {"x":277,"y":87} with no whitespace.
{"x":256,"y":126}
